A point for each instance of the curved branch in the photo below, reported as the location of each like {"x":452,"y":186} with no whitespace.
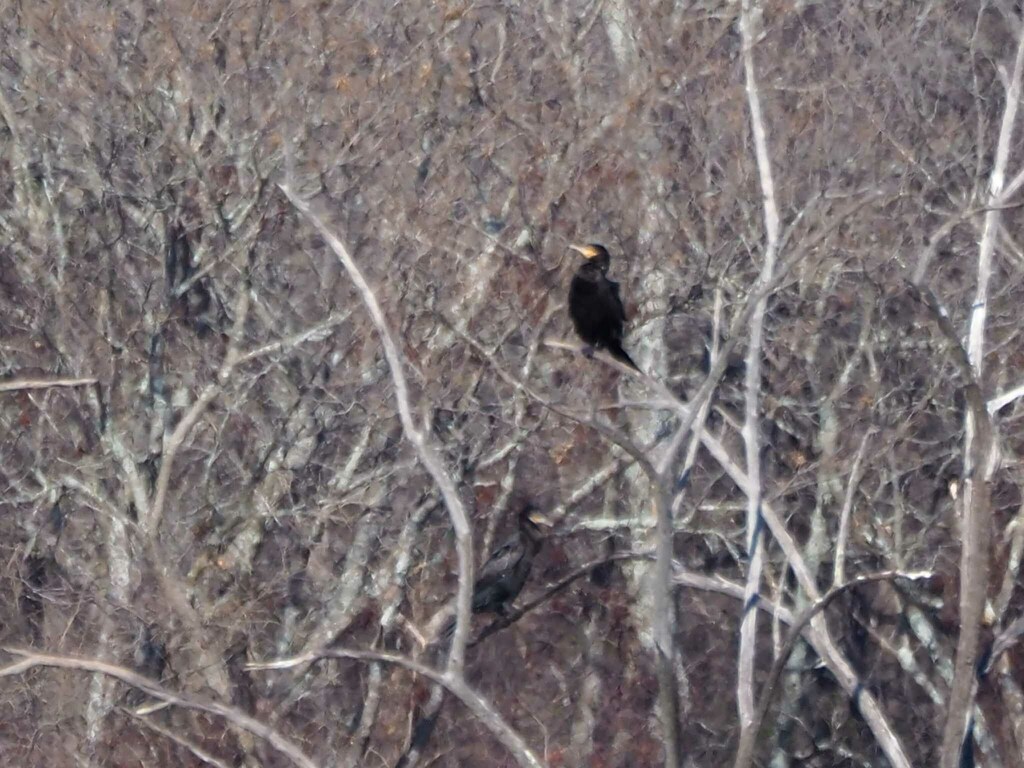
{"x":30,"y":659}
{"x":424,"y":448}
{"x":452,"y":682}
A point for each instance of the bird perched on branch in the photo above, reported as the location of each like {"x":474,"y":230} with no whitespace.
{"x":595,"y":305}
{"x":502,"y":577}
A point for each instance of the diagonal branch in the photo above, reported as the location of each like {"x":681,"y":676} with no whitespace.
{"x":177,"y":738}
{"x":174,"y":443}
{"x":1003,"y":642}
{"x":745,"y":752}
{"x":30,"y":659}
{"x":838,"y":575}
{"x":454,"y":683}
{"x":999,"y":402}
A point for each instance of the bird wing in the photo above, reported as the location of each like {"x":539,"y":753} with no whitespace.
{"x":495,"y":583}
{"x":502,"y":560}
{"x":613,"y":287}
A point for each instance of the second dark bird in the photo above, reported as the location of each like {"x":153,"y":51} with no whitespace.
{"x":595,"y":305}
{"x":502,"y":577}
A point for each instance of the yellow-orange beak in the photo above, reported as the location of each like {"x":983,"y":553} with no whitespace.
{"x":587,"y":251}
{"x":538,"y":519}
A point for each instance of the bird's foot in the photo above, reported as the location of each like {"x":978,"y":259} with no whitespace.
{"x":588,"y":351}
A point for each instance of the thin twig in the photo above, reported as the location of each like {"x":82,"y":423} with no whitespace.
{"x":312,"y":333}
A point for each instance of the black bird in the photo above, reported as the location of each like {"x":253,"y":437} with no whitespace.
{"x":502,"y":577}
{"x":595,"y":305}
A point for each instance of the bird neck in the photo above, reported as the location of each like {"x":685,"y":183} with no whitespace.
{"x":591,"y":271}
{"x":532,"y":534}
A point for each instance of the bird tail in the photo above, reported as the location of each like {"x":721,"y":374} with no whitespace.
{"x":615,"y":350}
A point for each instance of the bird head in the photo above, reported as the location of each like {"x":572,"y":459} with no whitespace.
{"x":594,"y":254}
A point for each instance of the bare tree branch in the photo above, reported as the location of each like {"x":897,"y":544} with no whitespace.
{"x":30,"y":659}
{"x":14,"y":385}
{"x":453,"y":683}
{"x":838,"y":570}
{"x":155,"y":511}
{"x":417,"y":436}
{"x":177,"y":738}
{"x":745,"y":752}
{"x":977,"y":520}
{"x":749,"y":28}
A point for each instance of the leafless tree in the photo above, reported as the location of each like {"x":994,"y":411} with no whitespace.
{"x":284,"y":347}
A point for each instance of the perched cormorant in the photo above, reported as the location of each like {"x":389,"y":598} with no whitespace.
{"x":595,"y":305}
{"x":503,"y":575}
{"x":498,"y":583}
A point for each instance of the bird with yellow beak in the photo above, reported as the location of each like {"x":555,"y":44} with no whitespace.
{"x":595,"y":305}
